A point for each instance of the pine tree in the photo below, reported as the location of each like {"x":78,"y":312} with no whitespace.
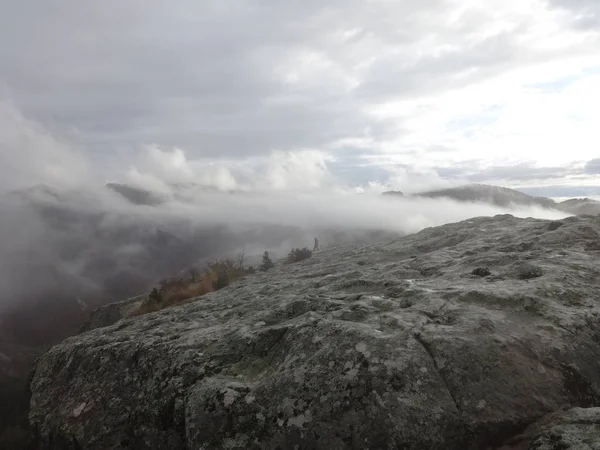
{"x":221,"y":281}
{"x":267,"y":263}
{"x":298,"y":254}
{"x":155,"y":296}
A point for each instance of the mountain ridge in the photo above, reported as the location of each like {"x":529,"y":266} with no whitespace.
{"x":504,"y":197}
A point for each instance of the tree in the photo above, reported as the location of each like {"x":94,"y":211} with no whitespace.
{"x":155,"y":296}
{"x":221,"y":281}
{"x":298,"y":254}
{"x":267,"y":262}
{"x":241,"y":261}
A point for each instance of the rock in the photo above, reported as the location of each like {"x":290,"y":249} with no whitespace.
{"x":552,"y":226}
{"x":575,"y":429}
{"x":109,"y":314}
{"x":593,"y":246}
{"x":528,"y":271}
{"x":481,"y":272}
{"x":328,"y":354}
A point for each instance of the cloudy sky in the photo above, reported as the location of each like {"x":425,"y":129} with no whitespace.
{"x":412,"y":94}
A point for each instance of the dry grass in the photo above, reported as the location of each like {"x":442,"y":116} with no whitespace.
{"x":217,"y":275}
{"x":178,"y":295}
{"x":177,"y":291}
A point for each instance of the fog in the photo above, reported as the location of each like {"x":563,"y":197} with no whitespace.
{"x":89,"y":238}
{"x":76,"y":234}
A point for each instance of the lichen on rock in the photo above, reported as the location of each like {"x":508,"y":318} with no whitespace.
{"x":405,"y":350}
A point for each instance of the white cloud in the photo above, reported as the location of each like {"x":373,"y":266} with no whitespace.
{"x":148,"y":181}
{"x":219,"y":87}
{"x":547,"y":118}
{"x":158,"y":169}
{"x":411,"y":182}
{"x":298,"y":170}
{"x":29,"y":154}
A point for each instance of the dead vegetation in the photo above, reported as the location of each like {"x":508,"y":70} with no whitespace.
{"x":198,"y":282}
{"x":179,"y":290}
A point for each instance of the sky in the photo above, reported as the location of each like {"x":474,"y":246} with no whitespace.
{"x":242,"y":94}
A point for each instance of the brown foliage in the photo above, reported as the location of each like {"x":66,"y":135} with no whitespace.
{"x":176,"y":291}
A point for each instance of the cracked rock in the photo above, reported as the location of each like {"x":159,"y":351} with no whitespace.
{"x":404,"y":351}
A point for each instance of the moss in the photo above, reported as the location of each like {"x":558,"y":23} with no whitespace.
{"x":251,"y":366}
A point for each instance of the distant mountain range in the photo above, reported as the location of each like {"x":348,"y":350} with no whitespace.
{"x":478,"y":193}
{"x":505,"y":197}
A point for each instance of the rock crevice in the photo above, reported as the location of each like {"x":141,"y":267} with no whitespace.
{"x":427,"y":347}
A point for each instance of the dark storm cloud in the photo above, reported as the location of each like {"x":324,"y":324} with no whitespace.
{"x":194,"y":74}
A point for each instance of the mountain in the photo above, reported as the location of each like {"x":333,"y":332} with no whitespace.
{"x":579,"y":206}
{"x":136,"y":195}
{"x":493,"y":195}
{"x":506,"y":198}
{"x":473,"y":335}
{"x":479,"y":193}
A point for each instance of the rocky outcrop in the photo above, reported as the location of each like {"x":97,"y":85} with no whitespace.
{"x":576,"y":429}
{"x":109,"y":314}
{"x":366,"y":347}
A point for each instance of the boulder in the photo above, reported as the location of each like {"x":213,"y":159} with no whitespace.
{"x":405,"y":350}
{"x":113,"y":312}
{"x":575,"y":429}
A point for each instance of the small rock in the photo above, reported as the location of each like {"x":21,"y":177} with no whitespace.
{"x":529,"y":272}
{"x":481,"y":272}
{"x":592,"y":246}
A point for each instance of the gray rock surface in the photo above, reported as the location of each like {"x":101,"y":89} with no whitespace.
{"x":395,"y":346}
{"x":109,"y":314}
{"x":575,"y":429}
